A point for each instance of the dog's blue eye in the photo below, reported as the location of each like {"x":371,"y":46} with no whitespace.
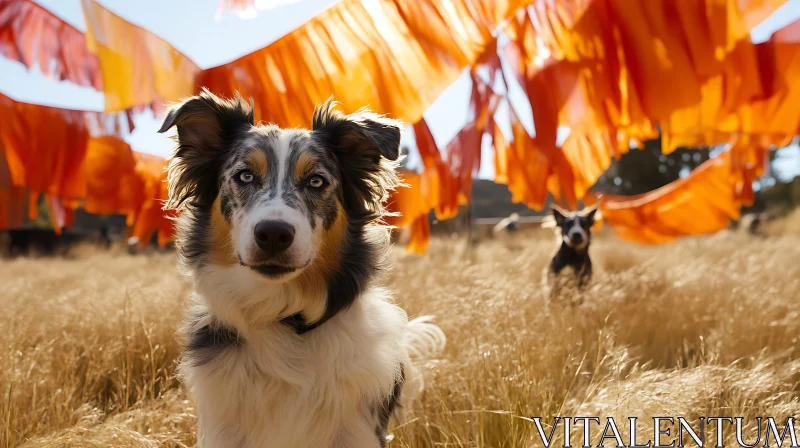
{"x":316,"y":182}
{"x":246,"y":176}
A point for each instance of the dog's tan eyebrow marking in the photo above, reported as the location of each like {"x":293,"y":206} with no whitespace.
{"x":305,"y":163}
{"x":256,"y":159}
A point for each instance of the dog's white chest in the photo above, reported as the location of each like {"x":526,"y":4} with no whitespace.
{"x":322,"y":389}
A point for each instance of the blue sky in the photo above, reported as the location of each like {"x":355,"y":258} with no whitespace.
{"x":195,"y":28}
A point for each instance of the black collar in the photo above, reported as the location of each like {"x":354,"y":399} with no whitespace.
{"x":298,"y":323}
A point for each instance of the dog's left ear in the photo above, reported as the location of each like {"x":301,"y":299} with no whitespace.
{"x":207,"y":124}
{"x":367,"y":147}
{"x":558,"y":215}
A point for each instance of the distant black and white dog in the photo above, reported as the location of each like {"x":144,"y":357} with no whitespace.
{"x":289,"y":343}
{"x":570,"y":270}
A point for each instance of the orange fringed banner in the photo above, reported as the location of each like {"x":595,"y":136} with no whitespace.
{"x":395,"y":56}
{"x":122,"y":181}
{"x":703,"y":202}
{"x":151,"y":218}
{"x":412,"y":203}
{"x":34,"y":36}
{"x":110,"y":176}
{"x":138,"y":67}
{"x":606,"y":71}
{"x":521,"y":165}
{"x":748,"y":161}
{"x":445,"y":182}
{"x":420,"y":235}
{"x":574,"y":70}
{"x":570,"y":62}
{"x":47,"y":150}
{"x":434,"y":189}
{"x":531,"y":172}
{"x":443,"y":186}
{"x":13,"y":207}
{"x":437,"y":180}
{"x":590,"y":65}
{"x":13,"y":200}
{"x":44,"y":147}
{"x":766,"y":75}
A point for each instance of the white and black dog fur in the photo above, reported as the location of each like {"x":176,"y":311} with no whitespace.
{"x":289,"y":343}
{"x":571,"y":268}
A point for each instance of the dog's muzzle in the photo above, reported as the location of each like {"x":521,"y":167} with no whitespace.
{"x":576,"y":239}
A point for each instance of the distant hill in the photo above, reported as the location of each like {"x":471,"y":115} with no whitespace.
{"x":491,"y":200}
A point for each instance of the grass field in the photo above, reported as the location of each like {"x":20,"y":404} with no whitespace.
{"x":706,"y":326}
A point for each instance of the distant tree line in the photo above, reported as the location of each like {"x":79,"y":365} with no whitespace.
{"x":647,"y":169}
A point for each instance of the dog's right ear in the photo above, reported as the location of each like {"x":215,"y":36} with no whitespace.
{"x":559,"y":216}
{"x":589,"y":215}
{"x":206,"y":126}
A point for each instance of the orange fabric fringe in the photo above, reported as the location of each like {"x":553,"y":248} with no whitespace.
{"x":34,"y":36}
{"x":593,"y":66}
{"x":44,"y":147}
{"x":111,"y":183}
{"x":609,"y":69}
{"x":701,"y":203}
{"x":47,"y":150}
{"x":138,"y":67}
{"x":445,"y":182}
{"x":395,"y":56}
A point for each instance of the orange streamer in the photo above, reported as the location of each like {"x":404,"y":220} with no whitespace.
{"x":46,"y":150}
{"x":151,"y":219}
{"x":396,"y":56}
{"x":34,"y":36}
{"x":446,"y":181}
{"x":13,"y":207}
{"x":44,"y":147}
{"x":110,"y":177}
{"x":138,"y":67}
{"x":612,"y":69}
{"x":701,"y":203}
{"x":755,"y":96}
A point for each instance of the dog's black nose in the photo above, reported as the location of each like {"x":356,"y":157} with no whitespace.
{"x":274,"y":236}
{"x":576,"y":238}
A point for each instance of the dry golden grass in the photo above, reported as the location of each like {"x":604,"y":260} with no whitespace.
{"x":707,"y":326}
{"x":790,"y":225}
